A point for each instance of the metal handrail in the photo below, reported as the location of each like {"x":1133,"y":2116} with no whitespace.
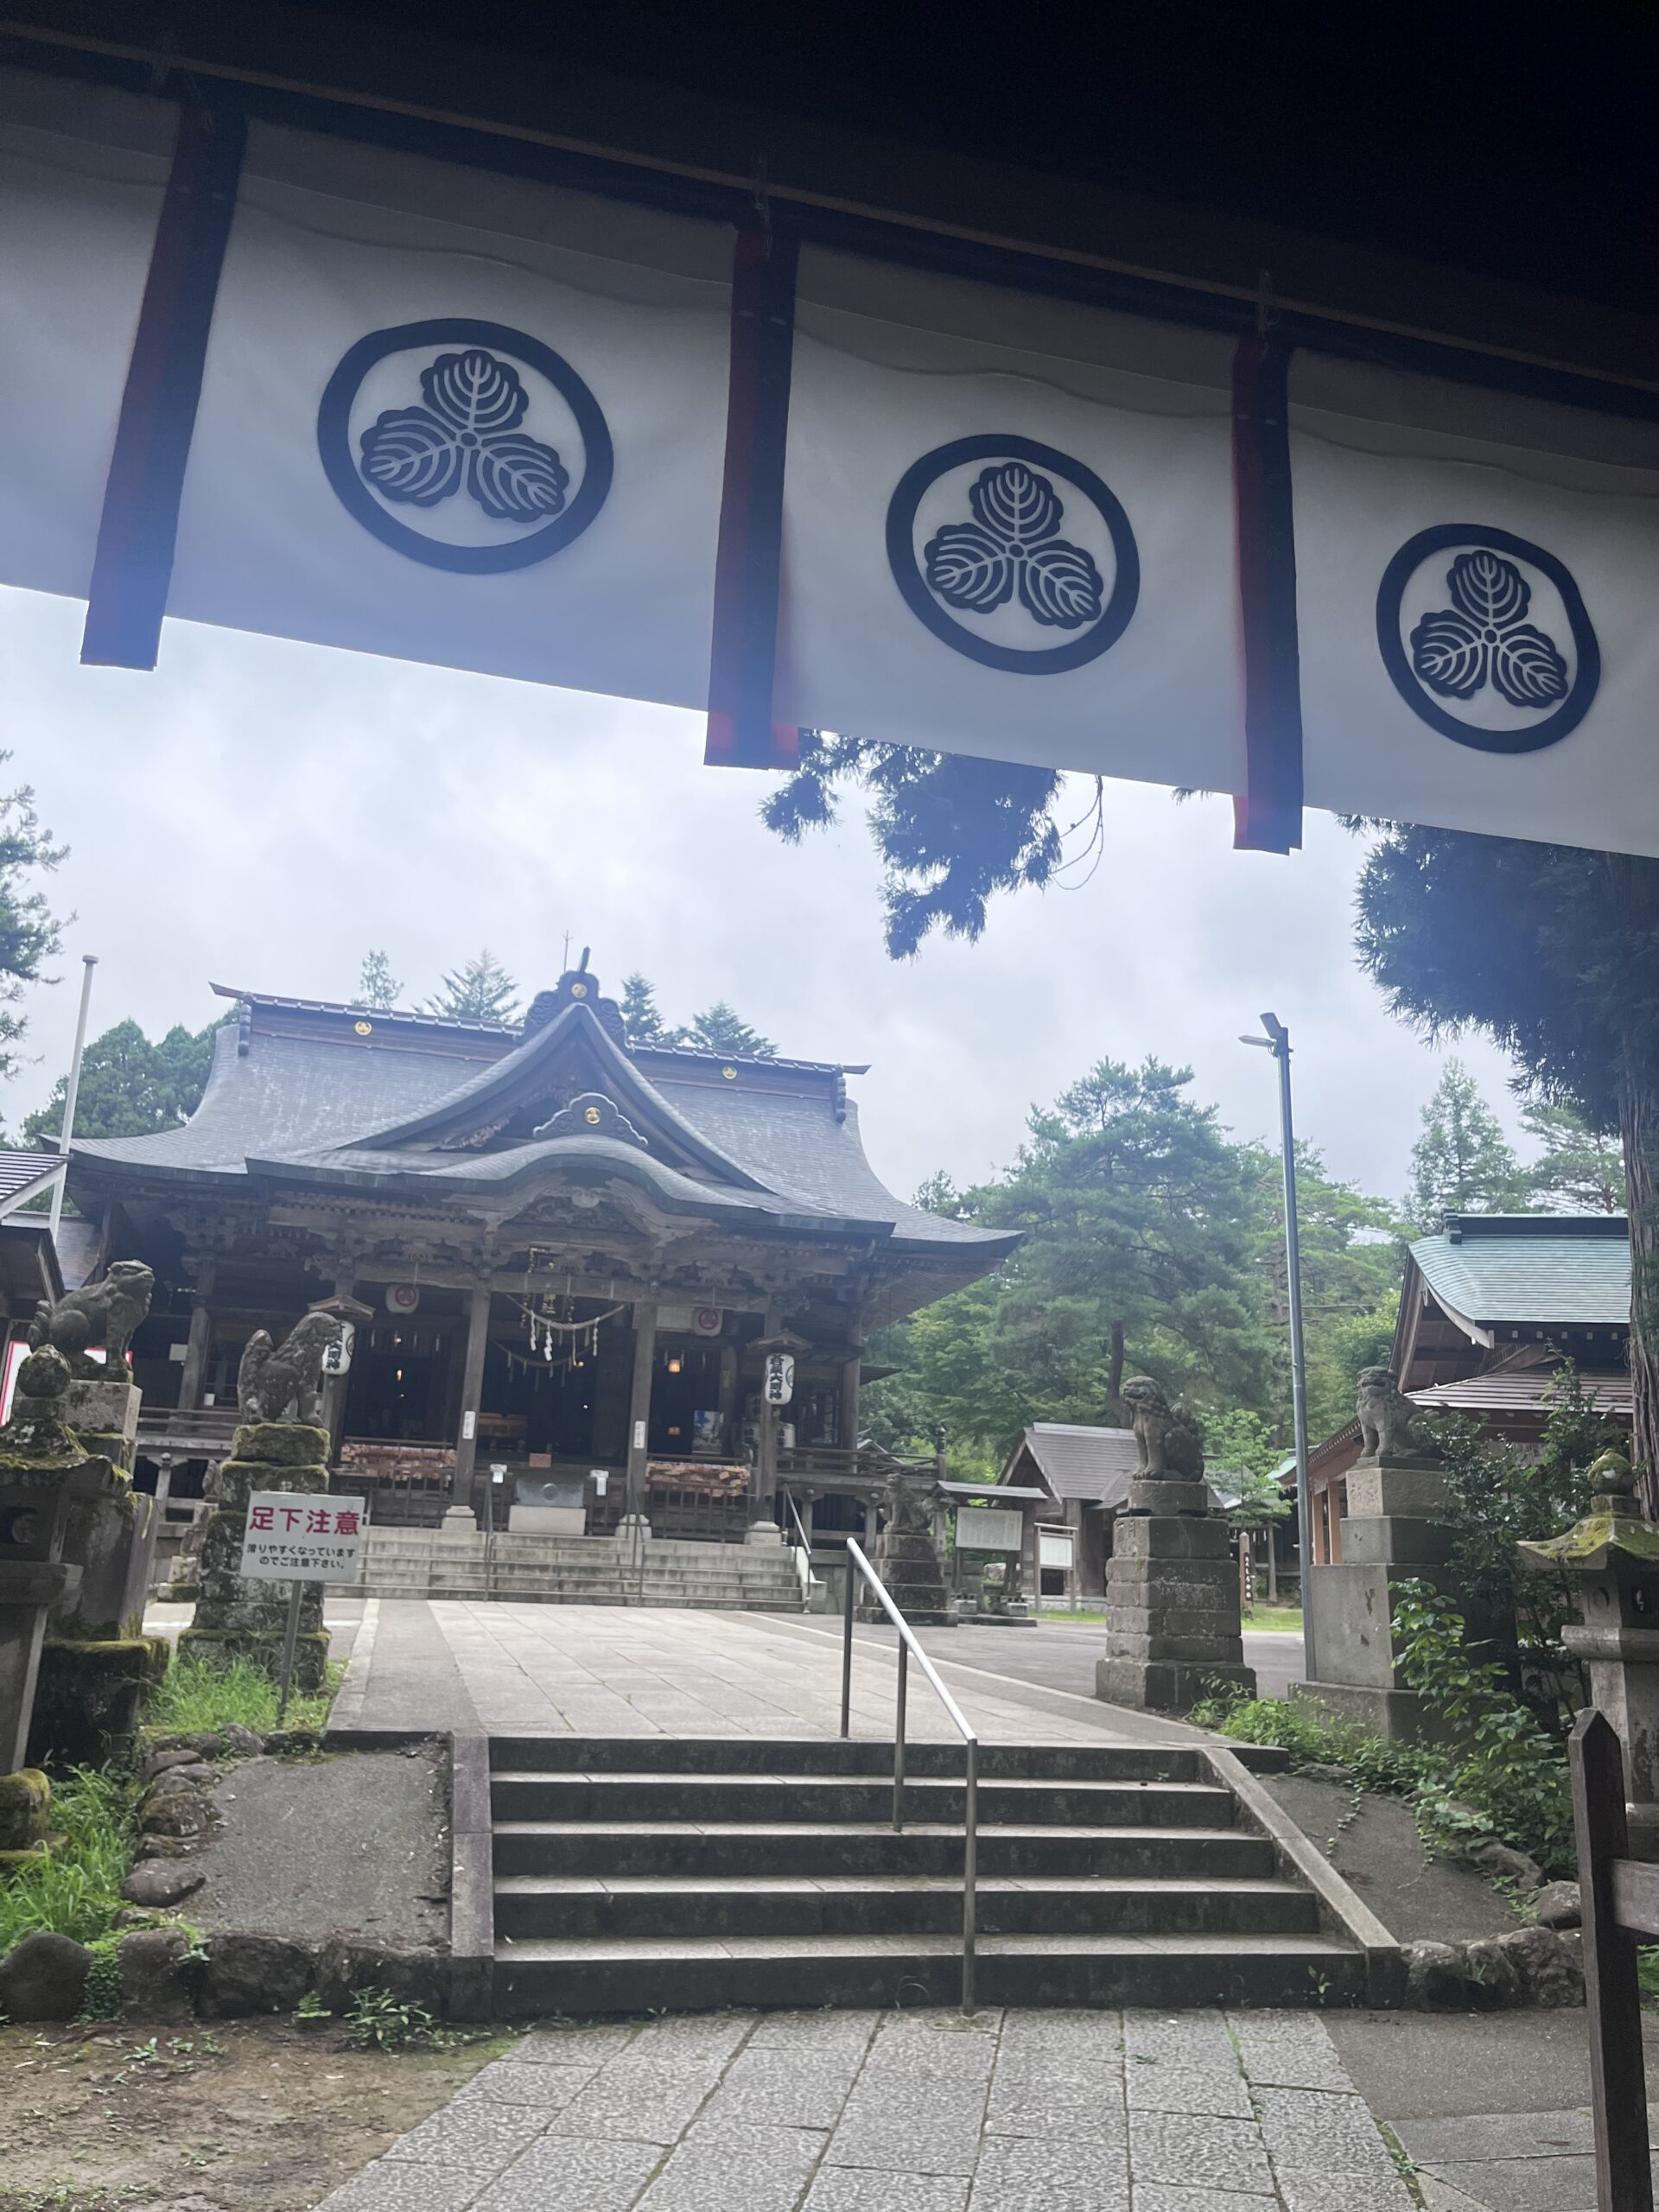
{"x":908,"y":1642}
{"x":804,"y":1569}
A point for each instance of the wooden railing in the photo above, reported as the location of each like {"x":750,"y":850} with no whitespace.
{"x":196,"y":1432}
{"x":830,"y":1461}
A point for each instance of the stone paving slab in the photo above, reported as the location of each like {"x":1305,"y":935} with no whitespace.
{"x":917,"y":2111}
{"x":608,"y":1670}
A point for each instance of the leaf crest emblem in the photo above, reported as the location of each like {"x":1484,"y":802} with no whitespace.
{"x":1482,"y":638}
{"x":468,"y":435}
{"x":1013,"y":546}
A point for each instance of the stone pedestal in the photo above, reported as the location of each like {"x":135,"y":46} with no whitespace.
{"x":907,"y":1561}
{"x":1173,"y":1626}
{"x":236,"y":1618}
{"x":1613,"y":1557}
{"x":51,"y":1490}
{"x":1391,"y":1533}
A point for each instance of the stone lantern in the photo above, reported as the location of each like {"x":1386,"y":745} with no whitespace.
{"x":1613,"y":1557}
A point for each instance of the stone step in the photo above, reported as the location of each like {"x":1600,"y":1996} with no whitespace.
{"x":528,"y":1795}
{"x":855,"y":1756}
{"x":544,"y":1975}
{"x":459,"y":1590}
{"x":575,"y":1907}
{"x":707,"y":1849}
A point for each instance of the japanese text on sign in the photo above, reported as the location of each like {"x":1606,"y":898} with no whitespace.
{"x":292,"y":1537}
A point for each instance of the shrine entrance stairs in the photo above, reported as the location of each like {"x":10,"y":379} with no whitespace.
{"x":690,"y":1874}
{"x":582,"y":1571}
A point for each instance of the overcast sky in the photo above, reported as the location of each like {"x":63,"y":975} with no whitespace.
{"x":259,"y":813}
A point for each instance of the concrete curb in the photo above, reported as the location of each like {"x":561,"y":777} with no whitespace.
{"x":472,"y":1880}
{"x":1341,"y":1910}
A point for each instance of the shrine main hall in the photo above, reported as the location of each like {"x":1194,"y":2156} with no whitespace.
{"x":566,"y":1260}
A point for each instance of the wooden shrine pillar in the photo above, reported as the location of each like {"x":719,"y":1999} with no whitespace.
{"x":846,"y":1423}
{"x":645,"y":1368}
{"x":471,"y":1384}
{"x":199,"y":1341}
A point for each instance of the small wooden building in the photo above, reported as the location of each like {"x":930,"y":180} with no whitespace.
{"x":1490,"y":1305}
{"x":572,"y":1257}
{"x":1086,"y":1472}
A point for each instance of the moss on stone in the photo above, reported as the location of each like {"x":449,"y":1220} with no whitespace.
{"x":25,"y":1811}
{"x":89,"y":1697}
{"x":282,"y":1444}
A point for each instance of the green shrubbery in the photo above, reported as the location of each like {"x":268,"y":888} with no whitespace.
{"x":196,"y":1694}
{"x":1502,"y":1775}
{"x":75,"y":1888}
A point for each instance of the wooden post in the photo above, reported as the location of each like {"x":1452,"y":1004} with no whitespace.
{"x":471,"y":1384}
{"x":728,"y":1395}
{"x":644,"y":1367}
{"x":848,"y":1423}
{"x":199,"y":1341}
{"x":1618,"y":2091}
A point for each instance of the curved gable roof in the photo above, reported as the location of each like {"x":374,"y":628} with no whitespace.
{"x":508,"y":1085}
{"x":307,"y":1090}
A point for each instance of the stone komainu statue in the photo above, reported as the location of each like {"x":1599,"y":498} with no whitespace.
{"x":105,"y":1313}
{"x":1386,"y":1419}
{"x":271,"y":1379}
{"x":1166,"y":1436}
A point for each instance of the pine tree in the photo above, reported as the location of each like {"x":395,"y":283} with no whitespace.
{"x":28,"y":930}
{"x":640,"y":1019}
{"x":376,"y":986}
{"x":719,"y":1029}
{"x":480,"y":990}
{"x":1581,"y":1169}
{"x":1463,"y":1162}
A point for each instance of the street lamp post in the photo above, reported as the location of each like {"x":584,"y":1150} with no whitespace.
{"x":1277,"y":1041}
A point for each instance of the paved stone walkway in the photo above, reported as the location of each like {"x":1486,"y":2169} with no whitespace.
{"x":610,"y":1670}
{"x":902,"y":2112}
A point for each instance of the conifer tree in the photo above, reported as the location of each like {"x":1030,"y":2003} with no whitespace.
{"x":376,"y":986}
{"x":1463,"y":1162}
{"x":479,"y":991}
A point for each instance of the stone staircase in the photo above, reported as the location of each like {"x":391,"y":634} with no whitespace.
{"x":580,"y":1571}
{"x":690,"y":1874}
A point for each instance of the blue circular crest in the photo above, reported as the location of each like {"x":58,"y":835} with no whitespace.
{"x":466,"y":440}
{"x":1479,"y":639}
{"x":1011,"y":550}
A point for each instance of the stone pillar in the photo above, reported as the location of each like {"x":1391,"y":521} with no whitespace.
{"x":1613,"y":1557}
{"x":1391,"y":1533}
{"x":461,"y":1517}
{"x":634,"y":1506}
{"x":97,"y":1661}
{"x":1172,"y":1622}
{"x":199,"y":1341}
{"x":238,"y":1619}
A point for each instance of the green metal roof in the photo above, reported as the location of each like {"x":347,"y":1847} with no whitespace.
{"x":1568,"y":1270}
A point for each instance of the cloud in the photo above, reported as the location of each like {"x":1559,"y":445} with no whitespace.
{"x":260,"y":813}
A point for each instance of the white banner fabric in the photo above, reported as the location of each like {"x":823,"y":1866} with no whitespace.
{"x":1477,"y":584}
{"x":456,"y":417}
{"x":1008,"y":527}
{"x":82,"y":176}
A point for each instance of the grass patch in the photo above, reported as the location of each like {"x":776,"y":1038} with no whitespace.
{"x":76,"y":1889}
{"x":1281,"y":1620}
{"x":196,"y":1694}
